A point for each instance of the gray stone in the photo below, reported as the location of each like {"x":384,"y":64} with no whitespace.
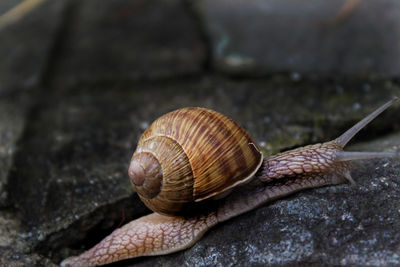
{"x":128,"y":40}
{"x":75,"y":148}
{"x":340,"y":225}
{"x":346,"y":36}
{"x":13,"y":112}
{"x":6,"y":5}
{"x":65,"y":146}
{"x":15,"y":249}
{"x":26,"y":44}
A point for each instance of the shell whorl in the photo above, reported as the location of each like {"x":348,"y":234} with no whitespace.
{"x":201,"y":153}
{"x":146,"y":174}
{"x":176,"y":180}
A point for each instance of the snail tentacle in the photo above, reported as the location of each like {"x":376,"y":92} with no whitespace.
{"x":349,"y":155}
{"x":349,"y":134}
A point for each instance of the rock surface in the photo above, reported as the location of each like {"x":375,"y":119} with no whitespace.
{"x":129,"y":40}
{"x":346,"y":36}
{"x":341,"y":225}
{"x":73,"y":107}
{"x":26,"y":46}
{"x":75,"y":150}
{"x":13,"y":112}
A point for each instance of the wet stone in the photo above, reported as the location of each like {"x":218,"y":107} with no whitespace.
{"x":129,"y":40}
{"x":258,"y":37}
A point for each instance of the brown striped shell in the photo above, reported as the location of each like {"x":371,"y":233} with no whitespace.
{"x":189,"y":155}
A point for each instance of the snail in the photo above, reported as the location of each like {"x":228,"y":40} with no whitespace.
{"x":195,"y":168}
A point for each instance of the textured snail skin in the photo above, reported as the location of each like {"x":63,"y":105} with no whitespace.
{"x":280,"y":175}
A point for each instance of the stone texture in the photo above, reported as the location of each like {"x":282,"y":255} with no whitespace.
{"x":26,"y":44}
{"x":128,"y":40}
{"x":13,"y":110}
{"x":6,"y":5}
{"x":347,"y":36}
{"x":75,"y":148}
{"x":65,"y":144}
{"x":339,"y":225}
{"x":15,"y":249}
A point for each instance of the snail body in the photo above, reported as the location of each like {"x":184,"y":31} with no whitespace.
{"x":180,"y":154}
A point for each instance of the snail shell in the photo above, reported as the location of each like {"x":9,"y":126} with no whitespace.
{"x":189,"y":155}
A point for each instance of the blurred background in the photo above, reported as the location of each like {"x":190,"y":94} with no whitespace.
{"x":80,"y":80}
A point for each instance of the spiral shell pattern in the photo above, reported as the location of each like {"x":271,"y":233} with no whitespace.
{"x":202,"y":153}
